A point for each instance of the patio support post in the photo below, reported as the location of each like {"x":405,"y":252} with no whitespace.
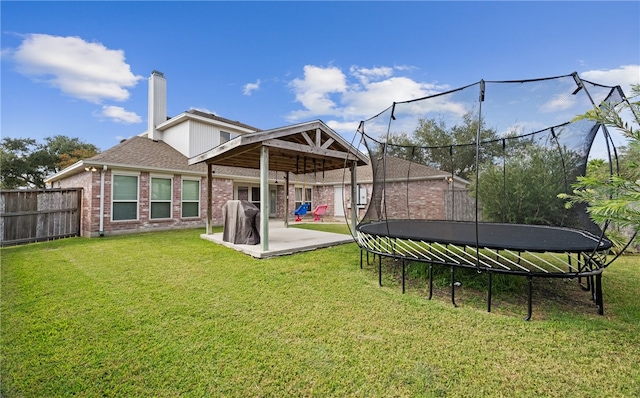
{"x":286,"y":200}
{"x":264,"y":198}
{"x":209,"y":197}
{"x":354,"y":197}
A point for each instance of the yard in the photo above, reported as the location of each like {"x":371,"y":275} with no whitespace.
{"x":170,"y":314}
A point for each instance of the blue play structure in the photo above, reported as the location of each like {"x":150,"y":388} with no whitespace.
{"x":301,"y":211}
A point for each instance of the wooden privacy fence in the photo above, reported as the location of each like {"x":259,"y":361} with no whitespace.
{"x":460,"y":205}
{"x":38,"y":215}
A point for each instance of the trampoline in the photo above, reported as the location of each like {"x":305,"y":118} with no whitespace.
{"x":471,"y":178}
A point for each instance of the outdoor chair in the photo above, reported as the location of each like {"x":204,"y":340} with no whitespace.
{"x":301,"y":211}
{"x":319,"y":212}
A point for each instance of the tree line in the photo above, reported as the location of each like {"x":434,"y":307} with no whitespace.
{"x":26,"y":163}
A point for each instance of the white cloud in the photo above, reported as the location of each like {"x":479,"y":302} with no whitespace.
{"x":80,"y":69}
{"x":251,"y":87}
{"x":360,"y":94}
{"x":338,"y":125}
{"x":119,"y":115}
{"x":559,"y":102}
{"x":365,"y":74}
{"x":623,"y":76}
{"x":314,"y":91}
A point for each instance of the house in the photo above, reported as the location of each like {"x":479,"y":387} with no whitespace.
{"x":417,"y":191}
{"x":145,"y":182}
{"x":181,"y":167}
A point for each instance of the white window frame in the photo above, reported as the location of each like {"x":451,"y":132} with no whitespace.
{"x":115,"y":174}
{"x":152,"y":201}
{"x":362,"y":196}
{"x":183,"y":200}
{"x":303,"y":196}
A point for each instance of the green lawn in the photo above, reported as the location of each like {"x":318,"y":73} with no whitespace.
{"x":170,"y":314}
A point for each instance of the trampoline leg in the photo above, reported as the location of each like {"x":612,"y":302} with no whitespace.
{"x":587,"y":279}
{"x":529,"y":298}
{"x":403,"y":273}
{"x":430,"y":281}
{"x":599,"y":300}
{"x":380,"y":270}
{"x":453,"y":287}
{"x":360,"y":258}
{"x":489,"y":292}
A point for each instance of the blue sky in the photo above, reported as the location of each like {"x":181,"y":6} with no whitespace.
{"x":80,"y":69}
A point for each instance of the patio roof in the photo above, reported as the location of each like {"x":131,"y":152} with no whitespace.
{"x":300,"y":149}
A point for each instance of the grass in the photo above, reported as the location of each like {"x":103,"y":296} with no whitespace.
{"x":169,"y":314}
{"x":338,"y":228}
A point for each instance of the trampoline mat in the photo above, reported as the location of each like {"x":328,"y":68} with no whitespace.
{"x":516,"y":237}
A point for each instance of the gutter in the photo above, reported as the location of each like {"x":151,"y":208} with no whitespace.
{"x":102,"y":173}
{"x":80,"y":165}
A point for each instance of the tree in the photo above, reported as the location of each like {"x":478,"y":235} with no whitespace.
{"x":524,"y":189}
{"x":64,"y":151}
{"x":450,"y":149}
{"x":615,"y":197}
{"x":19,"y":166}
{"x":24,"y":163}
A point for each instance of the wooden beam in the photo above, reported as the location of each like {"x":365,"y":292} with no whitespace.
{"x":286,"y":200}
{"x":307,"y":138}
{"x":322,"y":152}
{"x":327,"y":143}
{"x":226,"y":147}
{"x":282,"y":132}
{"x":264,"y":198}
{"x":318,"y":137}
{"x":232,"y":154}
{"x":354,"y":197}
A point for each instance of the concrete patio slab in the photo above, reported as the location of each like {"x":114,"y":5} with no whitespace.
{"x":284,"y":241}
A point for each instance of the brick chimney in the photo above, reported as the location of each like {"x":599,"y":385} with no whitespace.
{"x":157,"y":104}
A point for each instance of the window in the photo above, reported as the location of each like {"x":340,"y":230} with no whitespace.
{"x":224,"y":137}
{"x":160,"y":198}
{"x":190,"y":198}
{"x":125,"y":198}
{"x":243,"y":193}
{"x":255,"y":196}
{"x":362,"y":195}
{"x":303,"y":195}
{"x":250,"y":193}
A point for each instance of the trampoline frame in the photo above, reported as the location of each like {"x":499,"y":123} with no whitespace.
{"x":578,"y":264}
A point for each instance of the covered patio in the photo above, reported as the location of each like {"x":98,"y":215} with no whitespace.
{"x":300,"y":149}
{"x":284,"y":241}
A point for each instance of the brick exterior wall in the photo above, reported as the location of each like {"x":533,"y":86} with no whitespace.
{"x":90,"y":221}
{"x":222,"y":191}
{"x":347,"y":200}
{"x":323,"y":195}
{"x":280,"y":201}
{"x":425,"y":198}
{"x":89,"y":182}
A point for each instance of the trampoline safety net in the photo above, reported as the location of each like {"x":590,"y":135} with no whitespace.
{"x":480,"y":168}
{"x":493,"y":151}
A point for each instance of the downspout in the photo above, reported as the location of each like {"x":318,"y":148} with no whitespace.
{"x":102,"y":173}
